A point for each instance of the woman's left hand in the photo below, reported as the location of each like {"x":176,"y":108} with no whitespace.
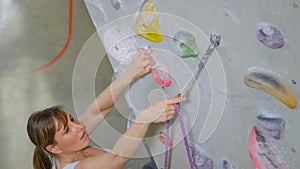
{"x":141,"y":64}
{"x":159,"y":112}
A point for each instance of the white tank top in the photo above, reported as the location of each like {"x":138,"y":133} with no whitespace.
{"x":74,"y":164}
{"x":69,"y":166}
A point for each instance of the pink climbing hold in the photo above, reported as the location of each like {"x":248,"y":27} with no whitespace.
{"x":160,"y":71}
{"x":162,"y":139}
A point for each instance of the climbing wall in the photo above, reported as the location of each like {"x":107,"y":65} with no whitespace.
{"x":243,"y":104}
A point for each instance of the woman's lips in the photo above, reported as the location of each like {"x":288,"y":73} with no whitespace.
{"x":83,"y":135}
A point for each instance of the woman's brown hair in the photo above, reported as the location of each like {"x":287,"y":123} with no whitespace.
{"x":41,"y":130}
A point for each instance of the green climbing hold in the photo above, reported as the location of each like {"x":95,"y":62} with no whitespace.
{"x":184,"y":44}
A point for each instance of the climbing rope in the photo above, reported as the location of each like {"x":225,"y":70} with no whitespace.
{"x":186,"y":143}
{"x":59,"y":55}
{"x":166,"y":162}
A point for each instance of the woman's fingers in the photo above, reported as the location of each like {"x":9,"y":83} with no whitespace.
{"x":147,"y":64}
{"x":174,"y":100}
{"x":167,"y":115}
{"x":170,"y":113}
{"x":141,"y":64}
{"x":144,"y":59}
{"x":169,"y":107}
{"x":169,"y":110}
{"x":143,"y":51}
{"x":147,"y":61}
{"x":160,"y":112}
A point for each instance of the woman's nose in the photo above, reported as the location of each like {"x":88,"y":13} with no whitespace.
{"x":81,"y":125}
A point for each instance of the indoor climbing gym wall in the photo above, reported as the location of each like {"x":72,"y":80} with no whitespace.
{"x":234,"y":61}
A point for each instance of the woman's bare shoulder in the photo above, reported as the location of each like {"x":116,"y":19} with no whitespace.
{"x":98,"y":159}
{"x":95,"y":157}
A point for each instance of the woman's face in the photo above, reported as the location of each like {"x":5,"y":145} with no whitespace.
{"x":72,"y":137}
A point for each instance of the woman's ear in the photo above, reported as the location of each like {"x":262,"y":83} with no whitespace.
{"x":52,"y":148}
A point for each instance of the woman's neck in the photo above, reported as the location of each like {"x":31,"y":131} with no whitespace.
{"x":62,"y":160}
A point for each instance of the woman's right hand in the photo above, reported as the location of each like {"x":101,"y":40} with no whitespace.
{"x":159,"y":112}
{"x":140,"y":65}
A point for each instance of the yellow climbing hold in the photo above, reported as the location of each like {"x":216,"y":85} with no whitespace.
{"x":272,"y":84}
{"x":146,"y":23}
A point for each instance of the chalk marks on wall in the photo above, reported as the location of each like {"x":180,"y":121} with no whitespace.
{"x":100,"y":7}
{"x":119,"y":45}
{"x":229,"y":12}
{"x":122,"y":46}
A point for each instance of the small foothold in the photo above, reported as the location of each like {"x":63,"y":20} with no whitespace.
{"x":270,"y":36}
{"x":184,"y":44}
{"x":226,"y":164}
{"x":116,"y":4}
{"x":293,"y":150}
{"x":294,"y":82}
{"x":295,"y":5}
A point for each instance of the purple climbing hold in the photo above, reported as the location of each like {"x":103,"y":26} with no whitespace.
{"x":272,"y":123}
{"x":200,"y":159}
{"x":208,"y":164}
{"x":269,"y":35}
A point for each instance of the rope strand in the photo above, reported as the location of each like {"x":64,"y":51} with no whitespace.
{"x":59,"y":55}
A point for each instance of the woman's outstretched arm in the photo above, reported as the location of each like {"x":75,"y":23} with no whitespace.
{"x":103,"y":104}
